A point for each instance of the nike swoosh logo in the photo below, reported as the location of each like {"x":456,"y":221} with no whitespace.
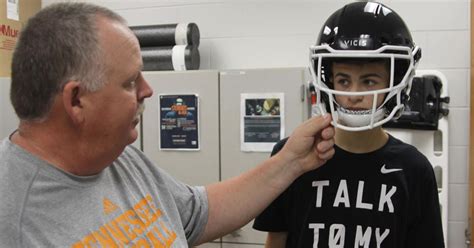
{"x":384,"y":170}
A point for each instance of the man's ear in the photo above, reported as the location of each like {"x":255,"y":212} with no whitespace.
{"x":71,"y":98}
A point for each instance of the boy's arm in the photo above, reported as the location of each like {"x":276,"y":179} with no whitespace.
{"x":427,"y":231}
{"x":276,"y":240}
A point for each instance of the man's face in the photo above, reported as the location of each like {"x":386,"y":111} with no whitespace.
{"x":353,"y":77}
{"x":117,"y":108}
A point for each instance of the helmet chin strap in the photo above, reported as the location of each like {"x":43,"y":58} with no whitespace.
{"x":358,"y":118}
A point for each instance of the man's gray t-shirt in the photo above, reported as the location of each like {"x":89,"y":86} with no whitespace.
{"x":131,"y":203}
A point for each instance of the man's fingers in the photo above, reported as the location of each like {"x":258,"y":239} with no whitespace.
{"x":326,"y":155}
{"x":303,"y":143}
{"x":315,"y":125}
{"x":325,"y":145}
{"x":328,"y":133}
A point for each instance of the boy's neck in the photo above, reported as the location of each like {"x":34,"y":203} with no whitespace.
{"x":361,"y":141}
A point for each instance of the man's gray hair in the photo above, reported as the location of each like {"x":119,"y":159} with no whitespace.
{"x":58,"y":44}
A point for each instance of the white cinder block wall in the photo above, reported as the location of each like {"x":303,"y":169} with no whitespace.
{"x":262,"y":33}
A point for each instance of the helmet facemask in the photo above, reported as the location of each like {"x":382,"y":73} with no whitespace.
{"x":401,"y":66}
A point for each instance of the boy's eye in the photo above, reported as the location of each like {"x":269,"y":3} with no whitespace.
{"x":342,"y":82}
{"x":369,"y":82}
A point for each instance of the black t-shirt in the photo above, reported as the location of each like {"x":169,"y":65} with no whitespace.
{"x":386,"y":198}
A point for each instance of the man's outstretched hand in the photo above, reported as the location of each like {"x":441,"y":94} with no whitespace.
{"x":310,"y":145}
{"x":236,"y":201}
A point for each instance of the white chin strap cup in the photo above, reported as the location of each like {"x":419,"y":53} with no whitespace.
{"x":349,"y":121}
{"x":357,"y":122}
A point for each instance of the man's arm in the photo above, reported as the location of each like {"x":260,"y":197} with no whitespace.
{"x":236,"y":201}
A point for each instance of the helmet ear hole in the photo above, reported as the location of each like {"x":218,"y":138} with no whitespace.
{"x":417,"y":55}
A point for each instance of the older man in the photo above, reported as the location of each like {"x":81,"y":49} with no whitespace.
{"x":67,"y":176}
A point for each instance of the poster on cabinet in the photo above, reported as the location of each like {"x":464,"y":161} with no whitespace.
{"x":262,"y":121}
{"x":179,"y":122}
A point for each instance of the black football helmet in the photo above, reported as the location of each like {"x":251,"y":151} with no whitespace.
{"x":364,"y":31}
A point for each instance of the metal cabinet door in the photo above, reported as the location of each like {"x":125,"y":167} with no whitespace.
{"x":199,"y":167}
{"x":233,"y":161}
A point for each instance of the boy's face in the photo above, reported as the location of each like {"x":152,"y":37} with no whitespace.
{"x":359,"y":77}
